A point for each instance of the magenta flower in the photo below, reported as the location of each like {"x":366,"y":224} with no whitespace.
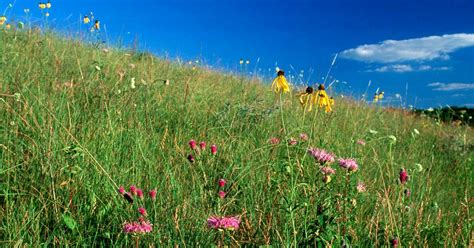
{"x":221,"y":223}
{"x":137,"y":227}
{"x":292,"y":142}
{"x":213,"y":149}
{"x":142,"y":211}
{"x":121,"y":190}
{"x":140,"y":193}
{"x":274,"y":141}
{"x":202,"y":145}
{"x":304,"y":137}
{"x":403,"y":176}
{"x":349,"y":164}
{"x":222,"y":182}
{"x":394,"y":242}
{"x":133,"y":190}
{"x":361,"y":142}
{"x":221,"y":194}
{"x":192,"y":144}
{"x":152,"y":194}
{"x":327,"y":170}
{"x":321,"y":155}
{"x":361,"y":187}
{"x":191,"y":158}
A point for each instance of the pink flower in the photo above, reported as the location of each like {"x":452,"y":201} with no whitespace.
{"x":137,"y":227}
{"x":274,"y":141}
{"x":152,"y":194}
{"x":327,"y":170}
{"x":361,"y":187}
{"x":121,"y":190}
{"x":213,"y":149}
{"x":304,"y":137}
{"x":192,"y":144}
{"x":322,"y":156}
{"x":394,"y":242}
{"x":292,"y":142}
{"x":221,"y":194}
{"x":407,"y":192}
{"x":403,"y":176}
{"x":202,"y":145}
{"x":142,"y":211}
{"x":140,"y":193}
{"x":349,"y":164}
{"x":361,"y":142}
{"x":222,"y":182}
{"x":133,"y":190}
{"x":191,"y":158}
{"x":229,"y":223}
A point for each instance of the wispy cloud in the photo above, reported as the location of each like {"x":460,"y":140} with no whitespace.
{"x":401,"y":68}
{"x":451,"y":86}
{"x":419,"y":49}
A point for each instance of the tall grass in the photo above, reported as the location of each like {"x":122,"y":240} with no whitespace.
{"x":73,"y":129}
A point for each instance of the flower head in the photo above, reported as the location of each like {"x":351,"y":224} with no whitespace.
{"x":140,"y":193}
{"x":361,"y":187}
{"x":152,"y":194}
{"x":214,"y":149}
{"x":222,"y":182}
{"x":394,"y":242}
{"x":191,"y":158}
{"x":133,"y":189}
{"x":326,"y":170}
{"x":202,"y":145}
{"x":361,"y":142}
{"x":42,"y":5}
{"x":349,"y":164}
{"x":3,"y":19}
{"x":223,"y":223}
{"x":274,"y":141}
{"x":142,"y":211}
{"x":137,"y":227}
{"x":222,"y":194}
{"x":403,"y":175}
{"x":192,"y":144}
{"x":292,"y":142}
{"x":304,"y":137}
{"x":121,"y":190}
{"x":86,"y":20}
{"x":322,"y":156}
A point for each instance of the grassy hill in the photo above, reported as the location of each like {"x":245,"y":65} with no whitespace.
{"x":79,"y":121}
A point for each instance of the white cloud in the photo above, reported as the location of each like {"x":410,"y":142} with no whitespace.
{"x":419,"y":49}
{"x":401,"y":68}
{"x":451,"y":86}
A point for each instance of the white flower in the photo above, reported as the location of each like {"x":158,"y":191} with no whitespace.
{"x":430,"y":110}
{"x":416,"y":131}
{"x":277,"y":69}
{"x":132,"y":83}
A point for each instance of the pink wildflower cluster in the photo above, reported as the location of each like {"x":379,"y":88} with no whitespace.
{"x":326,"y":170}
{"x":292,"y":141}
{"x":274,"y":141}
{"x":403,"y":176}
{"x":134,"y":191}
{"x":304,"y":137}
{"x":221,"y":192}
{"x":321,"y":155}
{"x":137,"y":227}
{"x":202,"y":147}
{"x":223,"y":223}
{"x":348,"y":163}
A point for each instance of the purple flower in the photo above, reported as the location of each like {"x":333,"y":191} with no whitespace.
{"x":137,"y":227}
{"x":229,"y":223}
{"x":321,"y":155}
{"x":202,"y":145}
{"x":403,"y":176}
{"x":214,"y":149}
{"x":142,"y":211}
{"x":152,"y":194}
{"x":140,"y":193}
{"x":133,"y":190}
{"x":348,"y":163}
{"x":191,"y":158}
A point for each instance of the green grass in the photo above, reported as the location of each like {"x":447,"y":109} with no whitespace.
{"x":65,"y":150}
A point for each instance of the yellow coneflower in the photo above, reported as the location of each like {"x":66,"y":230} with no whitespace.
{"x":194,"y":67}
{"x":3,"y":19}
{"x":241,"y":61}
{"x":306,"y":97}
{"x":48,"y":5}
{"x":331,"y":101}
{"x":280,"y":85}
{"x":97,"y":25}
{"x":376,"y":97}
{"x":86,"y":20}
{"x":381,"y":95}
{"x":8,"y":26}
{"x":42,"y":5}
{"x":322,"y":98}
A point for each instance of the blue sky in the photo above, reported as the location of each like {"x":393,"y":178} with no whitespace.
{"x":421,"y":50}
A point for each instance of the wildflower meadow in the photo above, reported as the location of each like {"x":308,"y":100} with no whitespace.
{"x":108,"y":147}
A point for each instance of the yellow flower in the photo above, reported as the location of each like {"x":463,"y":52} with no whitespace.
{"x":97,"y":25}
{"x":376,"y":97}
{"x":48,"y":5}
{"x":42,"y":5}
{"x":8,"y":26}
{"x":241,"y":61}
{"x":86,"y":20}
{"x":280,"y":85}
{"x":3,"y":19}
{"x":331,"y":100}
{"x":322,"y":99}
{"x":306,"y":97}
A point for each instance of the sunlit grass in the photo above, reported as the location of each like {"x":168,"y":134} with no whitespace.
{"x":74,"y":129}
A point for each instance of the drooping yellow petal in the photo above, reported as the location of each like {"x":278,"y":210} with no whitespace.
{"x":42,"y":6}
